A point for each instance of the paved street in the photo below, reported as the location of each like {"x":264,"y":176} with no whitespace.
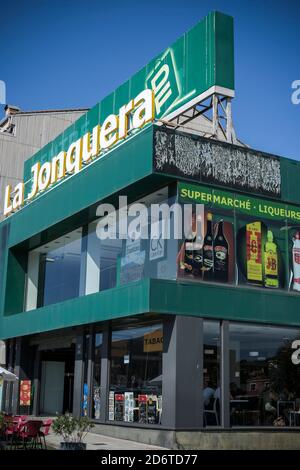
{"x":100,"y":442}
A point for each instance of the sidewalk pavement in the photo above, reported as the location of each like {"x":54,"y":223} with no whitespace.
{"x":100,"y":442}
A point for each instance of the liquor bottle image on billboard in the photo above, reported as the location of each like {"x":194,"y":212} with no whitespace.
{"x":271,"y":262}
{"x":254,"y":253}
{"x":259,"y":257}
{"x":221,"y":255}
{"x":208,"y":255}
{"x":296,"y":261}
{"x":190,"y":256}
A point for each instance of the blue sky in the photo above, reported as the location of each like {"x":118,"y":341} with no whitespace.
{"x":71,"y":53}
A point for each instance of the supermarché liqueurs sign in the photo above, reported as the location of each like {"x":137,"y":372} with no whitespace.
{"x":133,"y":115}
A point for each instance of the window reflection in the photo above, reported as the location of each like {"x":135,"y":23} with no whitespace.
{"x":125,"y":259}
{"x":59,"y":269}
{"x":211,"y":374}
{"x":136,"y":374}
{"x":264,"y":383}
{"x":97,"y":376}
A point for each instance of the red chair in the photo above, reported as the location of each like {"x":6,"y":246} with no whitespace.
{"x":45,"y":429}
{"x":12,"y":427}
{"x":22,"y":417}
{"x":30,"y":433}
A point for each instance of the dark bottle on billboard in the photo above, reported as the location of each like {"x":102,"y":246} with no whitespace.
{"x":189,"y":255}
{"x":198,"y":259}
{"x":220,"y":255}
{"x":208,"y":257}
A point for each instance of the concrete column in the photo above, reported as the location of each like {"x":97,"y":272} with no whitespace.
{"x":8,"y":385}
{"x":105,"y":371}
{"x":182,"y":373}
{"x":92,"y":261}
{"x":23,"y":368}
{"x":19,"y":373}
{"x":36,"y":383}
{"x":83,"y":260}
{"x":225,"y":412}
{"x":78,"y":375}
{"x":90,"y":369}
{"x":32,"y":280}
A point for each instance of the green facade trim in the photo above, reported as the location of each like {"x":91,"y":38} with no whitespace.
{"x":108,"y":175}
{"x":15,"y":282}
{"x":106,"y":305}
{"x":224,"y":302}
{"x":160,"y":297}
{"x":224,"y":50}
{"x":200,"y":59}
{"x":252,"y":206}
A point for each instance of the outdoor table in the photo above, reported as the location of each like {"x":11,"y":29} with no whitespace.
{"x":240,"y":411}
{"x":293,"y":417}
{"x":283,"y":403}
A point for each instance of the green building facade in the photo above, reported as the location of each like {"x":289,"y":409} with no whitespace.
{"x":192,"y":333}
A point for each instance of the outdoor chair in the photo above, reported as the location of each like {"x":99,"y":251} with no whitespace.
{"x":30,"y":433}
{"x":45,"y":429}
{"x":12,"y":428}
{"x":214,"y":412}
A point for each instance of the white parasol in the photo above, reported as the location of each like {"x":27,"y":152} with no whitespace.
{"x":8,"y":376}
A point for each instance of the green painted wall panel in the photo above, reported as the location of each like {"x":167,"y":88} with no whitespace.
{"x":290,"y":174}
{"x":119,"y":302}
{"x":118,"y":169}
{"x":4,"y":236}
{"x":15,"y":282}
{"x":199,"y":59}
{"x":232,"y":303}
{"x":162,"y":297}
{"x":224,"y":50}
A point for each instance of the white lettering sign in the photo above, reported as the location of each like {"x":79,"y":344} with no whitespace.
{"x":133,"y":115}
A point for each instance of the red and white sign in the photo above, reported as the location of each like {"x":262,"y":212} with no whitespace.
{"x":25,"y":391}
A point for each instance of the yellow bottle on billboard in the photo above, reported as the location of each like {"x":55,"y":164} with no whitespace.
{"x":271,"y":262}
{"x":254,"y":253}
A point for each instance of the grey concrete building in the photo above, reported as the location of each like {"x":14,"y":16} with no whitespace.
{"x":22,"y":133}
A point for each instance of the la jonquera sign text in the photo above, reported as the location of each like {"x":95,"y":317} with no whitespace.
{"x":132,"y":116}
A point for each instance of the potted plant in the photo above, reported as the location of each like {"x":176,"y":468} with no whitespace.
{"x":73,"y":431}
{"x":2,"y":428}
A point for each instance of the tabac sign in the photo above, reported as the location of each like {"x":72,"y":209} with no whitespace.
{"x":197,"y":64}
{"x":153,"y":342}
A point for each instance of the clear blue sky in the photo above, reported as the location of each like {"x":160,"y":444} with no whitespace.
{"x":71,"y":53}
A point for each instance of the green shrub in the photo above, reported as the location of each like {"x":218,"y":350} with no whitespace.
{"x":71,"y":428}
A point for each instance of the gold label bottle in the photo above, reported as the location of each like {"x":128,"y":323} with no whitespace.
{"x":271,"y":262}
{"x":254,"y":253}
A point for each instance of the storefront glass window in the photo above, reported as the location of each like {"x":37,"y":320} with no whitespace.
{"x":97,"y":376}
{"x":127,"y":258}
{"x":136,"y":374}
{"x":54,"y":271}
{"x":264,"y":376}
{"x":211,"y":373}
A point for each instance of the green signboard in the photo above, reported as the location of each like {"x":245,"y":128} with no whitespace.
{"x":200,"y":59}
{"x":192,"y":193}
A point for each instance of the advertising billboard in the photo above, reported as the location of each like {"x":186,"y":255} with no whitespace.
{"x":240,"y":240}
{"x":199,"y":62}
{"x":209,"y":161}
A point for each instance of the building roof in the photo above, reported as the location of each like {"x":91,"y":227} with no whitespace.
{"x":39,"y":111}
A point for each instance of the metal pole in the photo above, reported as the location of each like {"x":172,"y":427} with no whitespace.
{"x":225,"y":412}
